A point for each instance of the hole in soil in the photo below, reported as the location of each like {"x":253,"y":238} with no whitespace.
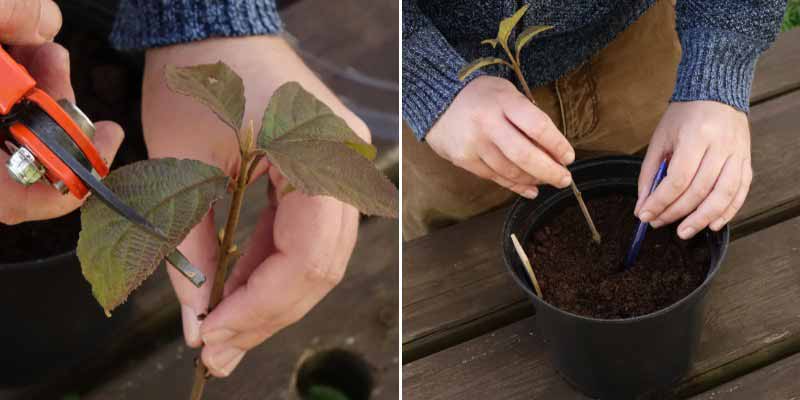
{"x":334,"y":375}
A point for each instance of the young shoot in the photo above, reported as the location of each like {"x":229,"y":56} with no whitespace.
{"x":503,"y":33}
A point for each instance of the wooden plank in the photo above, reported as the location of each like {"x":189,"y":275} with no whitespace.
{"x":752,"y":320}
{"x":775,"y":381}
{"x":777,"y":68}
{"x":457,"y":289}
{"x":360,"y":315}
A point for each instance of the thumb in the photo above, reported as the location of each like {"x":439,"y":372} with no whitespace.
{"x":28,"y":22}
{"x":200,"y":247}
{"x":652,"y":159}
{"x":108,"y":137}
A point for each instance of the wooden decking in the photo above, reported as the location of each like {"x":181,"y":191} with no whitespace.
{"x":469,"y":332}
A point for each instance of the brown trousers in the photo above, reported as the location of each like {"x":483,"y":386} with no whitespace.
{"x":611,"y":104}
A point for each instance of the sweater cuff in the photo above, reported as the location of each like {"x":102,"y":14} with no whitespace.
{"x":143,"y":24}
{"x":430,"y":79}
{"x":716,"y":65}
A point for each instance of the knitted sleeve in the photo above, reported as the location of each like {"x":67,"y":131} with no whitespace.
{"x":142,"y":24}
{"x":430,"y":70}
{"x":721,"y":41}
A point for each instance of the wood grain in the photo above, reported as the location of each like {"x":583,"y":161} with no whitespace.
{"x":776,"y":381}
{"x":456,"y":289}
{"x":777,"y":68}
{"x":751,"y":315}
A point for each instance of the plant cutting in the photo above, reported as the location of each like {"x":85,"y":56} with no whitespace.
{"x":612,"y":331}
{"x":312,"y":147}
{"x":503,"y":34}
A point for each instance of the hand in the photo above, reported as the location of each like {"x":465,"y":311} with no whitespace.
{"x":709,"y":173}
{"x":49,"y":66}
{"x":28,"y":22}
{"x":301,"y":245}
{"x":495,"y":132}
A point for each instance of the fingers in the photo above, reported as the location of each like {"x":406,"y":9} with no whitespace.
{"x":40,"y":201}
{"x":28,"y":22}
{"x":288,"y":283}
{"x":201,"y":248}
{"x":512,"y":177}
{"x":49,"y":64}
{"x":681,"y":171}
{"x":698,"y":190}
{"x":652,"y":160}
{"x":259,"y":247}
{"x":537,"y":125}
{"x":717,"y":202}
{"x":532,"y":160}
{"x":738,"y":200}
{"x":108,"y":138}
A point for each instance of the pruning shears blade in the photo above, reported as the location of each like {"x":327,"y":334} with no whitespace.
{"x":98,"y":188}
{"x":102,"y":192}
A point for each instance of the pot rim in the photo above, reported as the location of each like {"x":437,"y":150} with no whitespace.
{"x":724,"y":232}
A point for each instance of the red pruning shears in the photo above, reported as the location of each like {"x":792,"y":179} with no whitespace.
{"x":53,"y":140}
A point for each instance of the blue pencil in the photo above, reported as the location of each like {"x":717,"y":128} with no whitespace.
{"x":641,"y":230}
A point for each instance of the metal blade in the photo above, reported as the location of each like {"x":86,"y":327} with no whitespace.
{"x":176,"y":258}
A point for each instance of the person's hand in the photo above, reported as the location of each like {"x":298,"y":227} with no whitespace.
{"x":709,"y":173}
{"x":28,"y":22}
{"x":301,"y":245}
{"x":49,"y":66}
{"x":495,"y":132}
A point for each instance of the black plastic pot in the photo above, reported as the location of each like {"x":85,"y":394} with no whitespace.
{"x":611,"y":359}
{"x":50,"y":321}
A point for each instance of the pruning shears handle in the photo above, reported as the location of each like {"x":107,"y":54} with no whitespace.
{"x":52,"y":141}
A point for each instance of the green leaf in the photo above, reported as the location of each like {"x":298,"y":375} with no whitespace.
{"x":323,"y":392}
{"x":320,"y":155}
{"x":475,"y":65}
{"x":116,"y":256}
{"x":490,"y":42}
{"x":292,"y":110}
{"x":215,"y":85}
{"x":507,"y":25}
{"x":528,"y":34}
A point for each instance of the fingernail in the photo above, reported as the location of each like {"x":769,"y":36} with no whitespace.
{"x":657,"y":223}
{"x":646,"y":216}
{"x":50,"y":20}
{"x":218,"y":336}
{"x":191,"y":326}
{"x":569,"y":157}
{"x":224,"y":361}
{"x":531,"y":193}
{"x":686,"y":233}
{"x":565,"y":181}
{"x":717,"y":225}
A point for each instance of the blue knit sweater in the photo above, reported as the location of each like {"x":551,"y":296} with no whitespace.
{"x":721,"y":41}
{"x":142,"y":24}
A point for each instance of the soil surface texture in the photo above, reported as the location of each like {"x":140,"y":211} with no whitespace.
{"x":587,"y":279}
